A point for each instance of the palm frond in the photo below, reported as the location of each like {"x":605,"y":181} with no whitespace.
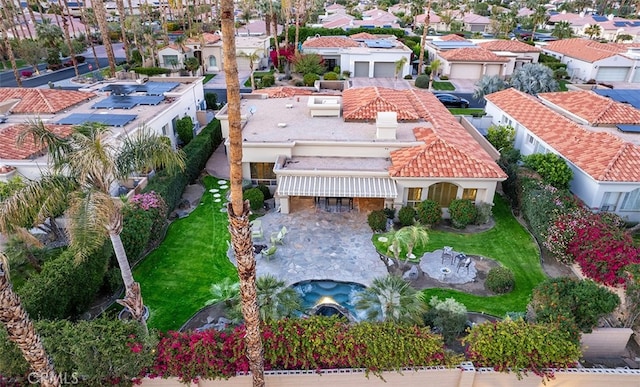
{"x":145,"y":150}
{"x":42,"y":137}
{"x":92,"y":160}
{"x":89,"y":217}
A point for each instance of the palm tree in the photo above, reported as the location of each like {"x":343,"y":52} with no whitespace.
{"x":252,"y":57}
{"x":7,"y":43}
{"x":406,"y":239}
{"x":276,"y":300}
{"x":538,"y":17}
{"x":534,"y":78}
{"x":423,"y":41}
{"x":99,"y":10}
{"x":433,"y":68}
{"x":21,"y":330}
{"x":87,"y":164}
{"x":238,"y":210}
{"x":392,"y":299}
{"x":400,"y":65}
{"x":562,"y":30}
{"x":125,"y":40}
{"x":593,"y":30}
{"x":489,"y":84}
{"x":67,"y":38}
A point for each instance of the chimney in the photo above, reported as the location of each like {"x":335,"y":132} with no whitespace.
{"x":386,"y":125}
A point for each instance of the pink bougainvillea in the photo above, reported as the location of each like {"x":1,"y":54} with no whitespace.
{"x":148,"y":200}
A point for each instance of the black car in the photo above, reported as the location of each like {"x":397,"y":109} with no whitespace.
{"x":450,"y":100}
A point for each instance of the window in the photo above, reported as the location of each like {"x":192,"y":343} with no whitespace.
{"x":262,"y":173}
{"x":631,"y":201}
{"x":330,"y":64}
{"x":470,"y":193}
{"x":443,"y":193}
{"x":530,"y":139}
{"x":414,"y":196}
{"x":212,"y":61}
{"x":170,"y":60}
{"x":540,"y":148}
{"x":609,"y":201}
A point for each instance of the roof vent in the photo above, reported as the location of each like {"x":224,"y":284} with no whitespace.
{"x":386,"y":125}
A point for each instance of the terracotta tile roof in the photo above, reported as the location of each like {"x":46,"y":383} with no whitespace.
{"x":472,"y":18}
{"x":586,"y":50}
{"x":207,"y":37}
{"x":329,"y":42}
{"x":283,"y":91}
{"x":43,"y":101}
{"x":9,"y":150}
{"x":509,"y":45}
{"x":603,"y":156}
{"x":364,"y":35}
{"x":594,"y":108}
{"x":453,"y":38}
{"x":433,"y":18}
{"x":470,"y":54}
{"x":449,"y":150}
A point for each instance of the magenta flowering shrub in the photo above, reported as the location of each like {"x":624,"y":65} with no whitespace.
{"x":298,"y":344}
{"x":563,"y":229}
{"x":148,"y":200}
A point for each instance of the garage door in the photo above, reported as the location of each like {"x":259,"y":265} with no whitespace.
{"x":494,"y":69}
{"x":612,"y":74}
{"x":384,"y":70}
{"x":466,"y":71}
{"x":361,"y":69}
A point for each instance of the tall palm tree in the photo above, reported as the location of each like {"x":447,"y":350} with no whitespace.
{"x":100,"y":13}
{"x":67,"y":38}
{"x":90,"y":161}
{"x":252,"y":57}
{"x":423,"y":41}
{"x":400,"y":65}
{"x":21,"y":331}
{"x":238,"y":209}
{"x":7,"y":43}
{"x":122,"y":14}
{"x":392,"y":299}
{"x":433,"y":69}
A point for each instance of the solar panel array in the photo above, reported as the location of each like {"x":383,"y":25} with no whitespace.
{"x":118,"y":120}
{"x":127,"y":101}
{"x":629,"y":96}
{"x":599,"y":18}
{"x":629,"y":128}
{"x":627,"y":23}
{"x":150,"y":88}
{"x":378,"y":43}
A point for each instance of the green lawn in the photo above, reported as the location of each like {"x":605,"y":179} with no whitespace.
{"x":443,"y":85}
{"x":6,"y":65}
{"x":176,"y":277}
{"x":467,"y":112}
{"x":257,"y":75}
{"x":509,"y":243}
{"x":207,"y":78}
{"x":563,"y":85}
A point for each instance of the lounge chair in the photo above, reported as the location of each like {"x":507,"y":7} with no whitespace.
{"x":270,"y":252}
{"x":278,"y":238}
{"x":256,"y":229}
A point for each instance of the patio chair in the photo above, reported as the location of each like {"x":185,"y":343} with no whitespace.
{"x":270,"y":252}
{"x":447,"y":251}
{"x":466,"y":263}
{"x":256,"y":229}
{"x":278,"y":238}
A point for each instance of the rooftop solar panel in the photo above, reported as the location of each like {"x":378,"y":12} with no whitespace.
{"x":630,"y":96}
{"x":127,"y":101}
{"x":619,"y":23}
{"x":118,"y":120}
{"x":378,"y":44}
{"x":629,"y":128}
{"x":599,"y":18}
{"x":150,"y":88}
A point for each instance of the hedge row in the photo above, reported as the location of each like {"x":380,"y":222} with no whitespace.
{"x":198,"y":151}
{"x":65,"y":288}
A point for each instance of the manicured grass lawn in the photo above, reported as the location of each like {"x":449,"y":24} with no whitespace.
{"x":257,"y":75}
{"x":6,"y":65}
{"x":467,"y":112}
{"x":507,"y":242}
{"x":443,"y":85}
{"x":207,"y":78}
{"x":176,"y":277}
{"x":563,"y":85}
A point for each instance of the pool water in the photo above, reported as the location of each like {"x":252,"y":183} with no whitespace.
{"x":325,"y":291}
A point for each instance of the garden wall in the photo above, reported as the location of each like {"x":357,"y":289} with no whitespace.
{"x":605,"y":342}
{"x":440,"y":377}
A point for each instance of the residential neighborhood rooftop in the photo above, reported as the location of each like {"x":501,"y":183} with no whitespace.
{"x":595,"y":109}
{"x":588,"y":50}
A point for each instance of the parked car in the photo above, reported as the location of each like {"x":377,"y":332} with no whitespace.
{"x":450,"y":100}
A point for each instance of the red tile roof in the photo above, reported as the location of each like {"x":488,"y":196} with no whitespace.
{"x":283,"y":91}
{"x":9,"y":150}
{"x":207,"y":38}
{"x":587,"y":50}
{"x":364,"y":35}
{"x":329,"y":42}
{"x":449,"y":150}
{"x":594,"y":108}
{"x":43,"y":101}
{"x":603,"y":156}
{"x":453,"y":38}
{"x":509,"y":45}
{"x":470,"y":54}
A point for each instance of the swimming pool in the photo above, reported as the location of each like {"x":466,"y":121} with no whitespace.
{"x":328,"y":292}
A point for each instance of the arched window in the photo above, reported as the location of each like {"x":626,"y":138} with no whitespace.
{"x":443,"y":193}
{"x":212,"y":61}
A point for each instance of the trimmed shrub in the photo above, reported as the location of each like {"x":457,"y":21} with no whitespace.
{"x":377,"y":220}
{"x":26,"y":73}
{"x":136,"y":231}
{"x":408,"y":76}
{"x":520,"y":347}
{"x":65,"y":288}
{"x":390,"y":212}
{"x":255,"y":198}
{"x":444,"y":78}
{"x":198,"y":151}
{"x":268,"y":80}
{"x":151,"y":71}
{"x":211,"y":100}
{"x":429,"y":212}
{"x":91,"y":353}
{"x":448,"y":316}
{"x":552,"y":168}
{"x":407,"y":216}
{"x":422,"y":81}
{"x":485,"y":212}
{"x":500,"y":280}
{"x":310,"y":78}
{"x":330,"y":76}
{"x":184,"y":127}
{"x":265,"y":191}
{"x":463,"y":212}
